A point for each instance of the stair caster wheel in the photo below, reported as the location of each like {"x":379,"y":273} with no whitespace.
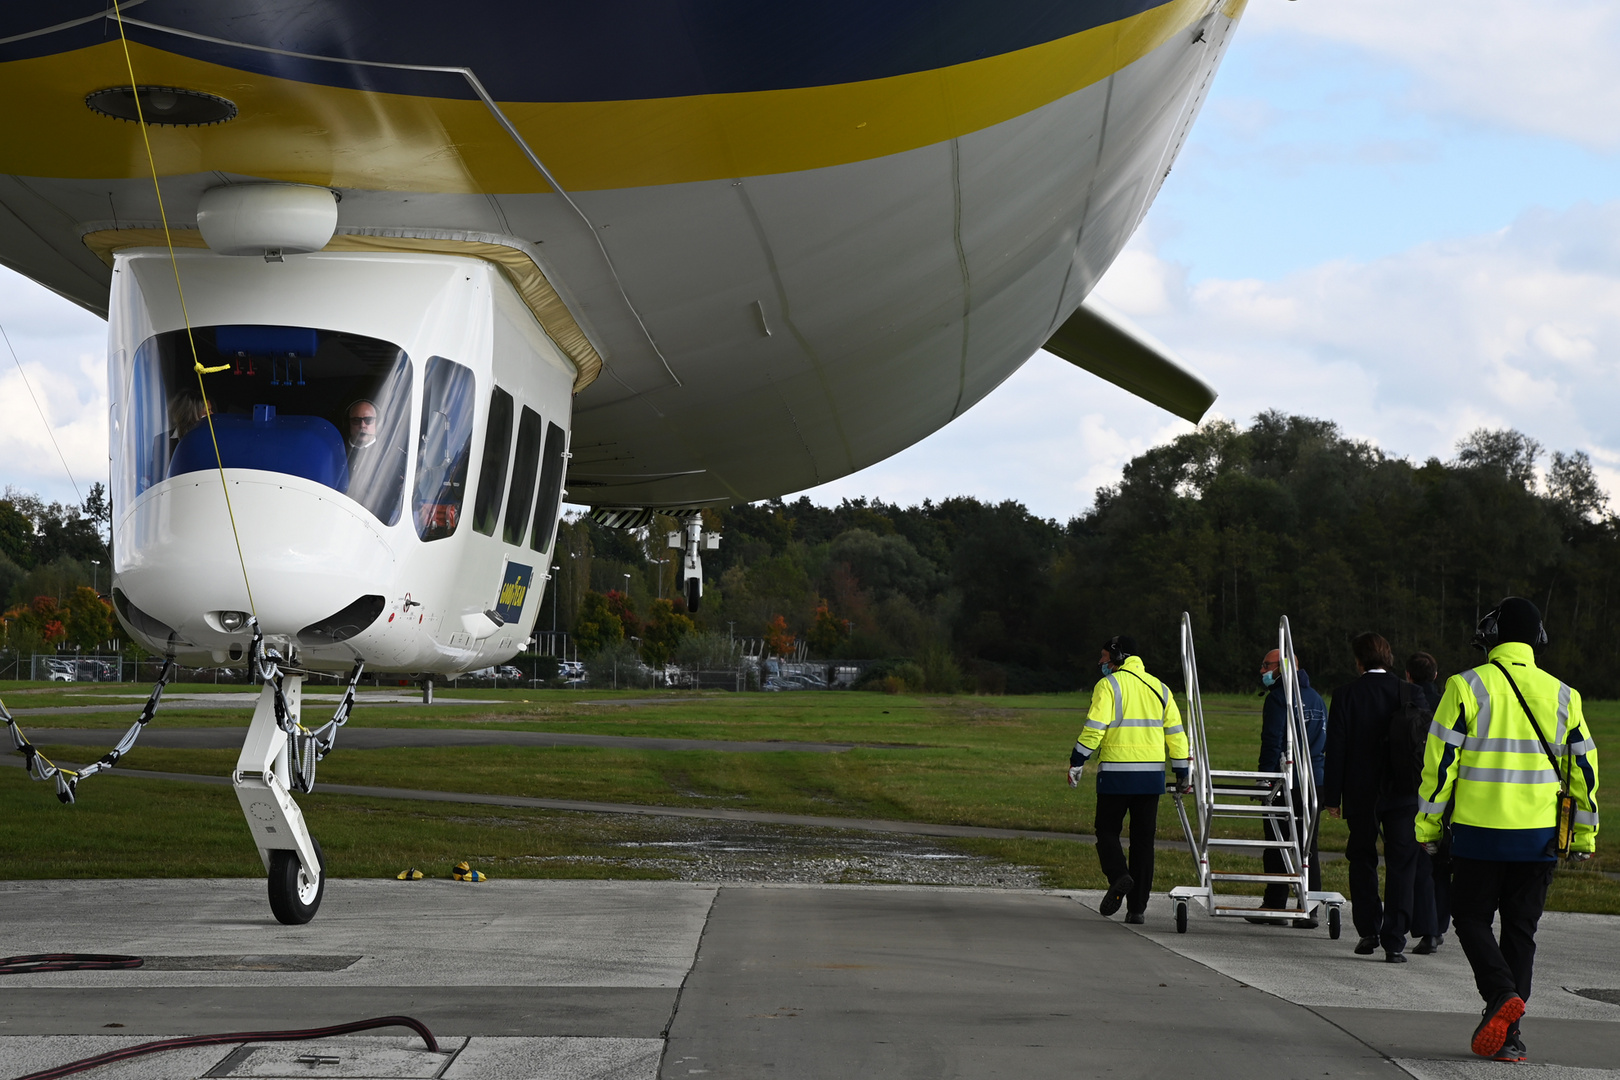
{"x":1333,"y":922}
{"x":294,"y":898}
{"x":1181,"y":916}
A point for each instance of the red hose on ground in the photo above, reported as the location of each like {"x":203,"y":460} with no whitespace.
{"x":236,"y":1037}
{"x":66,"y":961}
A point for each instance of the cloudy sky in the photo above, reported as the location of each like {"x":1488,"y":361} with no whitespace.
{"x":1403,"y":216}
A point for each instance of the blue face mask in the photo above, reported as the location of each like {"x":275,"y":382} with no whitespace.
{"x":1105,"y":669}
{"x":1268,"y":678}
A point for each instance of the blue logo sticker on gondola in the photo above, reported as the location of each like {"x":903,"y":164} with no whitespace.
{"x":514,"y":590}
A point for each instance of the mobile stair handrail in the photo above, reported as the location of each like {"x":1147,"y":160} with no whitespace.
{"x":1284,"y":802}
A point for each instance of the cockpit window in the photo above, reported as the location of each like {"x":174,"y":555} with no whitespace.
{"x":328,"y":406}
{"x":443,"y":448}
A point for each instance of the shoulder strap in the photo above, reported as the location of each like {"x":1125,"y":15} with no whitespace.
{"x":1163,"y":699}
{"x":1546,"y":747}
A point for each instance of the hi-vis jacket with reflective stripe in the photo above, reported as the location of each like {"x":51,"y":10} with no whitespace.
{"x":1484,"y":760}
{"x":1133,"y":726}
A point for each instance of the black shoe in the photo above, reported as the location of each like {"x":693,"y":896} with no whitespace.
{"x":1366,"y":946}
{"x":1512,"y":1047}
{"x":1500,"y":1018}
{"x":1115,"y":895}
{"x":1429,"y":944}
{"x":1392,"y":957}
{"x":1135,"y":918}
{"x":1306,"y":924}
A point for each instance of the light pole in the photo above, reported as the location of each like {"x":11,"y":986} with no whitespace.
{"x":95,"y":576}
{"x":627,"y":588}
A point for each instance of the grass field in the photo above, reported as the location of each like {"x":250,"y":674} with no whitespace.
{"x":956,"y":760}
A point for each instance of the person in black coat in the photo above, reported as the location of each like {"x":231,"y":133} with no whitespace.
{"x":1354,"y":787}
{"x":1431,"y":884}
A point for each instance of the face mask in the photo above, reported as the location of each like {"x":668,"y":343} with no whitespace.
{"x":1105,"y":669}
{"x":1268,"y":678}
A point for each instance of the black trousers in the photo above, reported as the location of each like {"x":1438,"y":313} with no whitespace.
{"x":1277,"y":895}
{"x":1388,"y":921}
{"x":1518,"y":890}
{"x":1431,"y":891}
{"x":1144,"y":811}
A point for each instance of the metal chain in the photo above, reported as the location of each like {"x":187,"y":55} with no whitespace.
{"x":41,"y":767}
{"x":305,"y":747}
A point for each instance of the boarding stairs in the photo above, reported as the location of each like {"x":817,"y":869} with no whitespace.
{"x":1284,"y":802}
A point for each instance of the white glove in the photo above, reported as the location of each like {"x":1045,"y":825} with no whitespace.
{"x":1431,"y":848}
{"x":1574,"y":856}
{"x":1074,"y":774}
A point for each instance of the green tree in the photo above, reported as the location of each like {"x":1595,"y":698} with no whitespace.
{"x":89,"y":620}
{"x":663,"y":633}
{"x":596,"y":627}
{"x":16,"y":535}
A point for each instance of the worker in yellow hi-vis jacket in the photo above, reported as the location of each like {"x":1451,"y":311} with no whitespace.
{"x":1133,"y":727}
{"x":1509,"y":754}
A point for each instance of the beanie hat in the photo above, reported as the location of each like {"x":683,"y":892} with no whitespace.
{"x":1122,"y":645}
{"x":1517,"y":619}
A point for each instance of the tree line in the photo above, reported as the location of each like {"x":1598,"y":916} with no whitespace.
{"x":54,"y":564}
{"x":1235,"y":525}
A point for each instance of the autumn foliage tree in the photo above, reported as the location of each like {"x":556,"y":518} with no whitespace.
{"x":778,"y":641}
{"x":826,"y":631}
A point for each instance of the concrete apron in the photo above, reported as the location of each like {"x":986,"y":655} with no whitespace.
{"x":523,"y":980}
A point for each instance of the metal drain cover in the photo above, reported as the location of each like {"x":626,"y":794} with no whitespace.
{"x":331,"y":1057}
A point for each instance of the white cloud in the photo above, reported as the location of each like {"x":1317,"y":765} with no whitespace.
{"x":62,"y":351}
{"x":1517,"y":328}
{"x":1546,"y":68}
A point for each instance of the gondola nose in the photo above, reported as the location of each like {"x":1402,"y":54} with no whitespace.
{"x":290,"y":550}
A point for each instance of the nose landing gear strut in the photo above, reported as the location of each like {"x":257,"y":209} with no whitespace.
{"x":278,"y":757}
{"x":692,"y":540}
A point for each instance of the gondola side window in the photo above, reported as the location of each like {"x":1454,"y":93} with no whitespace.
{"x":443,"y":448}
{"x":525,"y":464}
{"x":551,"y":479}
{"x":492,"y":470}
{"x":327,"y":406}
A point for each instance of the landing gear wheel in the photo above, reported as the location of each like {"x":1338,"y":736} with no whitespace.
{"x":294,"y":898}
{"x":1333,"y":922}
{"x":1181,"y":916}
{"x":693,"y":594}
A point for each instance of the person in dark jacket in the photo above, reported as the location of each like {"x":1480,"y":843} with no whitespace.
{"x":1353,"y":786}
{"x":1273,"y":741}
{"x":1431,"y":882}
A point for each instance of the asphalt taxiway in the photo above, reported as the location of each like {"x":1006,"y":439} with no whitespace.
{"x":526,"y":980}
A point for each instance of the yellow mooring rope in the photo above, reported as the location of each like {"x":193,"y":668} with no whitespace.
{"x":196,"y":363}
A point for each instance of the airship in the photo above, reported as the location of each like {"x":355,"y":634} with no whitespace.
{"x":384,"y":284}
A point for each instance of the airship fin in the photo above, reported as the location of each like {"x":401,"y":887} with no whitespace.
{"x":1100,"y":339}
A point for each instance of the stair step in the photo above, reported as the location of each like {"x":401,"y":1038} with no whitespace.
{"x":1223,"y":875}
{"x":1217,"y":841}
{"x":1262,"y":913}
{"x":1252,"y":808}
{"x":1239,"y":773}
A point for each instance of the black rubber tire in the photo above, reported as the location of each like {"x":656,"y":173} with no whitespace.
{"x":1181,"y":917}
{"x":694,"y":594}
{"x":1333,"y":923}
{"x":285,"y":873}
